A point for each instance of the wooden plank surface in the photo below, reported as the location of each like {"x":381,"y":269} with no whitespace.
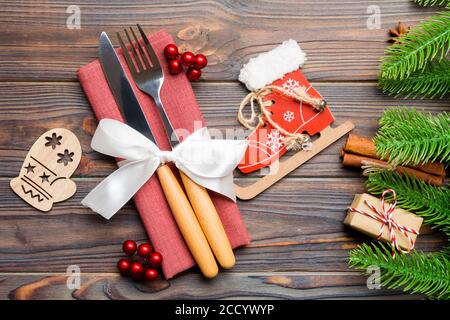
{"x":291,"y":228}
{"x":299,"y":245}
{"x":333,"y":33}
{"x":255,"y":285}
{"x":29,"y":109}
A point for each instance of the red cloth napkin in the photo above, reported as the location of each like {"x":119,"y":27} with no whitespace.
{"x":183,"y":111}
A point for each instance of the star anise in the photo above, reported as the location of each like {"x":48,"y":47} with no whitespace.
{"x":397,"y":32}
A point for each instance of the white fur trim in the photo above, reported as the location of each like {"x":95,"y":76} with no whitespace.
{"x":272,"y":65}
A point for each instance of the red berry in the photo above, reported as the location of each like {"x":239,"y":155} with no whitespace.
{"x":124,"y":266}
{"x":194,"y":74}
{"x":151,"y":274}
{"x":129,"y":247}
{"x":200,"y":61}
{"x":155,"y":259}
{"x":136,"y":271}
{"x":144,"y":250}
{"x":175,"y":66}
{"x":171,"y":51}
{"x":187,"y":58}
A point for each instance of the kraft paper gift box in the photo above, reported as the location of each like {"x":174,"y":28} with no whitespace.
{"x":371,"y":227}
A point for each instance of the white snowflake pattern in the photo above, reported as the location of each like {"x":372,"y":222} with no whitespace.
{"x":274,"y":140}
{"x":290,"y":85}
{"x":288,"y":116}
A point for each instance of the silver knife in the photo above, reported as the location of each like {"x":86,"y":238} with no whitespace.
{"x":121,"y":88}
{"x":179,"y":204}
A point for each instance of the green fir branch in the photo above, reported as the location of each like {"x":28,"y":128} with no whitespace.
{"x":432,"y":82}
{"x":416,"y":272}
{"x":407,"y":136}
{"x":431,"y":3}
{"x":427,"y":41}
{"x":427,"y":201}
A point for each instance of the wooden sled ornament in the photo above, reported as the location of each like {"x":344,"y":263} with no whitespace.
{"x":44,"y":176}
{"x":280,"y":169}
{"x":291,"y":111}
{"x":265,"y":147}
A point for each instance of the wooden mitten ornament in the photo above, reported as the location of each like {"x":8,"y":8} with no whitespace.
{"x":291,"y":111}
{"x":44,"y":176}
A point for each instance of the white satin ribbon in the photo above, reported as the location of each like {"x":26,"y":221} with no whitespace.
{"x":209,"y":163}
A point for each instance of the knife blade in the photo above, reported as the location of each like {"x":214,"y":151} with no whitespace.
{"x":121,"y":88}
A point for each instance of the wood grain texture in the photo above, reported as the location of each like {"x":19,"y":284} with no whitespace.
{"x":37,"y":44}
{"x":295,"y":226}
{"x":299,"y":244}
{"x":29,"y":109}
{"x":255,"y":285}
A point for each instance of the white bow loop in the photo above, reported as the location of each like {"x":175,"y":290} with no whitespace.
{"x":209,"y":163}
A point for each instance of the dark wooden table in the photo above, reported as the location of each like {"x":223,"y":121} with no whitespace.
{"x":300,"y":245}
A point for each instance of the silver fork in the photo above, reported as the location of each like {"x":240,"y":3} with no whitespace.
{"x":149,"y":78}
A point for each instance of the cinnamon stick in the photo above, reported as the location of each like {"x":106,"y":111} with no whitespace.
{"x":356,"y":161}
{"x":366,"y":147}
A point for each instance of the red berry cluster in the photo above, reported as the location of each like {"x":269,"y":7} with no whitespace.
{"x":144,"y":266}
{"x":194,"y":62}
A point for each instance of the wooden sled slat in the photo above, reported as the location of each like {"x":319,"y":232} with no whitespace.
{"x":327,"y":137}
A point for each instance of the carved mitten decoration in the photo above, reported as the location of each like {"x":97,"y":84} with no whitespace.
{"x":45,"y":174}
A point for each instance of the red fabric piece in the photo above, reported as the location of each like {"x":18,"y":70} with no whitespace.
{"x":183,"y":112}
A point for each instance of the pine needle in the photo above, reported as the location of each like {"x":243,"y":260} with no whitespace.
{"x":416,"y":273}
{"x":432,"y":82}
{"x":429,"y":202}
{"x":430,"y":3}
{"x":427,"y":41}
{"x":409,"y":136}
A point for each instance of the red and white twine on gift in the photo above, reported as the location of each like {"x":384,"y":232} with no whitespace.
{"x":385,"y":217}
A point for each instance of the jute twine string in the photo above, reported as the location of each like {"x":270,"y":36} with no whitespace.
{"x":375,"y":167}
{"x":294,"y":141}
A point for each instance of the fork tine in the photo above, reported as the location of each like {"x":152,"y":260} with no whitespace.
{"x":149,"y":48}
{"x":134,"y":52}
{"x":127,"y":55}
{"x":144,"y":57}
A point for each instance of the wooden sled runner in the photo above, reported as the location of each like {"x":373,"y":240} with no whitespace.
{"x":280,"y":169}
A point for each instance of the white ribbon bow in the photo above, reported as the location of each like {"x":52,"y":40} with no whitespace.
{"x":209,"y":163}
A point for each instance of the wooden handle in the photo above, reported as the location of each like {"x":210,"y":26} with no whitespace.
{"x":210,"y":222}
{"x":187,"y":222}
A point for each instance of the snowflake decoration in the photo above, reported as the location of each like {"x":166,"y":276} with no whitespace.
{"x":65,"y":157}
{"x":274,"y":140}
{"x":53,"y":141}
{"x":290,"y":85}
{"x":288,"y":116}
